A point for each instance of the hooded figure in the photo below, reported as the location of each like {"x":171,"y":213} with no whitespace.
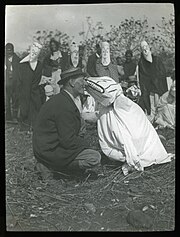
{"x":32,"y":57}
{"x":152,"y":80}
{"x":125,"y":134}
{"x":85,"y":103}
{"x":92,"y":60}
{"x":72,"y":57}
{"x":104,"y":66}
{"x":30,"y":100}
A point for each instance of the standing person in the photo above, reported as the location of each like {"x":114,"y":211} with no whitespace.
{"x":82,"y":60}
{"x":73,"y":57}
{"x":11,"y":81}
{"x":129,"y":66}
{"x":30,"y":72}
{"x":57,"y":144}
{"x":120,"y":68}
{"x":129,"y":81}
{"x":152,"y":80}
{"x":74,"y":60}
{"x":91,"y":63}
{"x":104,"y":66}
{"x":53,"y":65}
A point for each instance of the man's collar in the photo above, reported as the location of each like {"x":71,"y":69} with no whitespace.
{"x":76,"y":100}
{"x":72,"y":97}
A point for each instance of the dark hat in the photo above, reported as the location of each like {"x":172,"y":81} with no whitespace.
{"x":71,"y":73}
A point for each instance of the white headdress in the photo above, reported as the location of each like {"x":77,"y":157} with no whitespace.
{"x":103,"y":89}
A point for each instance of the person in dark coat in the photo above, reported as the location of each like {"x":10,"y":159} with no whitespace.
{"x":129,"y":66}
{"x":104,"y":66}
{"x":82,"y":60}
{"x":74,"y":56}
{"x":54,"y":64}
{"x":152,"y":80}
{"x":30,"y":100}
{"x":55,"y":59}
{"x":57,"y":144}
{"x":91,"y":63}
{"x":11,"y":81}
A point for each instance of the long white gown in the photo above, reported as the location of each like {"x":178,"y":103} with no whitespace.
{"x":125,"y":133}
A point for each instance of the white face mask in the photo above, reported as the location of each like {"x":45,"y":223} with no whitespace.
{"x":34,"y":51}
{"x":146,"y":51}
{"x":74,"y":54}
{"x":105,"y":54}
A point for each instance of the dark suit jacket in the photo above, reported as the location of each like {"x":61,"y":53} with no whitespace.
{"x":129,"y":69}
{"x":152,"y":78}
{"x":55,"y":138}
{"x":12,"y":78}
{"x":91,"y":65}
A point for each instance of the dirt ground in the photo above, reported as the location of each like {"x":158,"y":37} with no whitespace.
{"x":64,"y":204}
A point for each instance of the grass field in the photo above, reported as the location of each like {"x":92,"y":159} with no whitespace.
{"x":85,"y":205}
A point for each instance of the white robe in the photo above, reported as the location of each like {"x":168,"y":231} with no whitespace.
{"x":125,"y":133}
{"x":165,"y":116}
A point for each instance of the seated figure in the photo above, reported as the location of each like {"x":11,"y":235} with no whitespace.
{"x":165,"y":116}
{"x":125,"y":133}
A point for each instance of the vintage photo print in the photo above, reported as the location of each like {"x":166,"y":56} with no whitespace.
{"x":90,"y":101}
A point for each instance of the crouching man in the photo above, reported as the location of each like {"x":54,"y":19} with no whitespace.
{"x":57,"y":144}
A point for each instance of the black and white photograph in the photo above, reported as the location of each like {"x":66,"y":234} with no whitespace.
{"x":90,"y":117}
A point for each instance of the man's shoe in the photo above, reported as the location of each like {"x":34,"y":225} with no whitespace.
{"x":91,"y":175}
{"x":44,"y":172}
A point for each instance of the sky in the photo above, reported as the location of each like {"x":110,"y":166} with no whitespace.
{"x":22,"y":21}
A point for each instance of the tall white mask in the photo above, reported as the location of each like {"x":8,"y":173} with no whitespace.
{"x":34,"y":51}
{"x":146,"y":51}
{"x":105,"y":51}
{"x":74,"y":49}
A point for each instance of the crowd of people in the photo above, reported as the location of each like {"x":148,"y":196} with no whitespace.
{"x":51,"y":99}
